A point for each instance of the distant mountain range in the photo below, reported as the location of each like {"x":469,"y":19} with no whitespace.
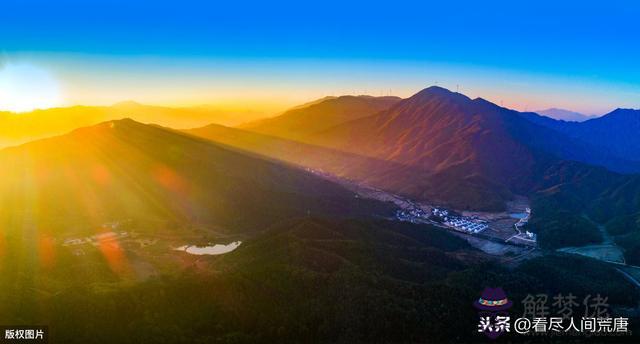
{"x":127,"y":170}
{"x":564,"y":115}
{"x":445,"y":148}
{"x":440,"y":145}
{"x":617,"y":132}
{"x":24,"y":127}
{"x":437,"y":129}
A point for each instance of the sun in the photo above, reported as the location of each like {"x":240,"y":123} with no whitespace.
{"x":25,"y":87}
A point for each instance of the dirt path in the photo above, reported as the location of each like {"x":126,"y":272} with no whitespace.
{"x":606,"y":237}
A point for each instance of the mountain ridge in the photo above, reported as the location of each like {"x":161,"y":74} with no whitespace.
{"x":24,"y":127}
{"x":124,"y":169}
{"x":318,"y":115}
{"x":444,"y":147}
{"x":615,"y":132}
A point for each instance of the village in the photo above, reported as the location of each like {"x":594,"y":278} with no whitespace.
{"x":111,"y":233}
{"x":472,"y":224}
{"x":493,"y":232}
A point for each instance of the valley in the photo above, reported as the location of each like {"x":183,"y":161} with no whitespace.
{"x":500,"y":234}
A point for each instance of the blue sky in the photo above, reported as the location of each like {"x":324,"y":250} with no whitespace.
{"x":572,"y":54}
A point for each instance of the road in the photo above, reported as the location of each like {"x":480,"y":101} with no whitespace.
{"x":606,"y":238}
{"x":629,"y":277}
{"x":607,"y":251}
{"x":607,"y":244}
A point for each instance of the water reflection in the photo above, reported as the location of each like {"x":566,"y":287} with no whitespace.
{"x":209,"y":250}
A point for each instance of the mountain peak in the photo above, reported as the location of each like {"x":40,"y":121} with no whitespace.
{"x":122,"y":121}
{"x":317,"y":116}
{"x":624,"y":112}
{"x":437,"y":92}
{"x":620,"y":115}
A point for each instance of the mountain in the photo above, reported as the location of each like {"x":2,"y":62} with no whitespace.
{"x":20,"y":128}
{"x":320,"y":115}
{"x":185,"y":117}
{"x":122,"y":170}
{"x":460,"y":146}
{"x":376,"y":172}
{"x":564,"y":115}
{"x":313,"y":102}
{"x":616,"y":132}
{"x":560,"y":190}
{"x":445,"y":148}
{"x":438,"y":146}
{"x":322,"y":159}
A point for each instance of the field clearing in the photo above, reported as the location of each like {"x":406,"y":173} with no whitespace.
{"x":607,"y":253}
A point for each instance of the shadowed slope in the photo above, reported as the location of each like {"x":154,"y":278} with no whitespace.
{"x":461,"y":191}
{"x":313,"y":117}
{"x":618,"y":132}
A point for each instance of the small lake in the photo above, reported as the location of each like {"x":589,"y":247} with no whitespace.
{"x":209,"y":250}
{"x":518,"y":215}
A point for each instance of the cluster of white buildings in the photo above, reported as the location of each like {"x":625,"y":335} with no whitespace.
{"x":463,"y":224}
{"x":411,"y":215}
{"x":442,"y":213}
{"x":469,"y":226}
{"x":110,"y":232}
{"x":95,"y":239}
{"x":530,"y":236}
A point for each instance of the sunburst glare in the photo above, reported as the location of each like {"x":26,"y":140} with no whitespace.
{"x":26,"y":87}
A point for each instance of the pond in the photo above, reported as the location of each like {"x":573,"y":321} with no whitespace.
{"x":209,"y":250}
{"x":518,"y":215}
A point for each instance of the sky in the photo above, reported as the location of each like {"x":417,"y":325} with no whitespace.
{"x":569,"y":54}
